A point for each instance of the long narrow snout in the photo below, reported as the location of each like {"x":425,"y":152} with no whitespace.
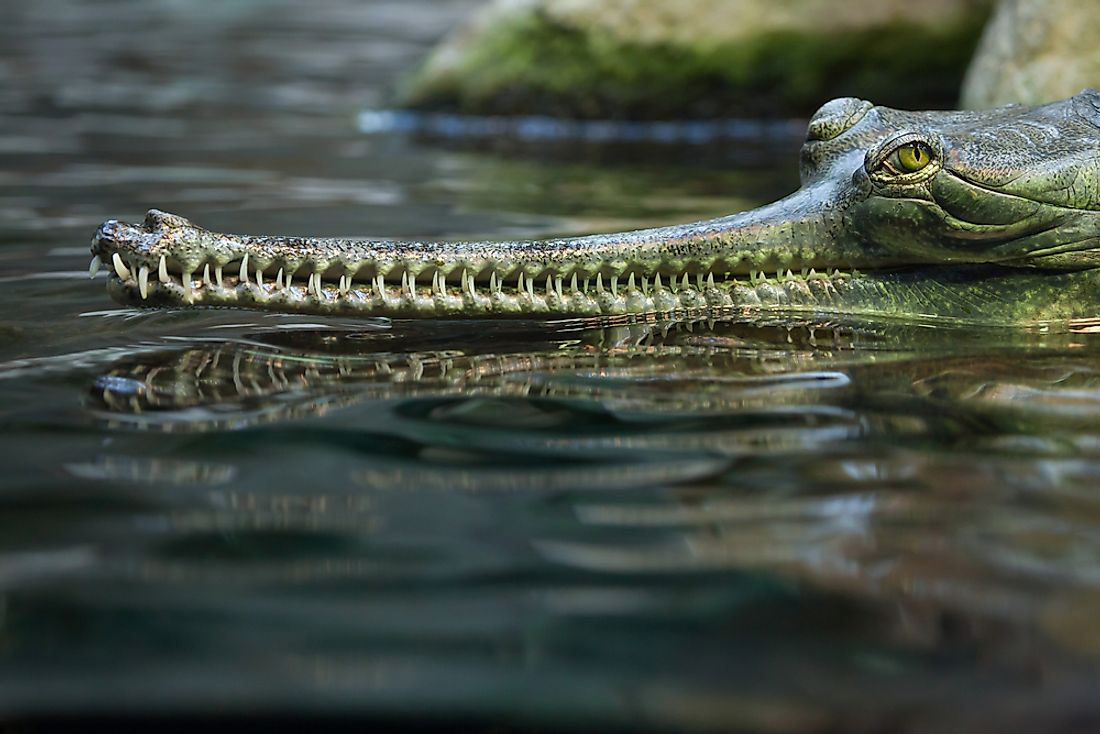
{"x":167,"y":260}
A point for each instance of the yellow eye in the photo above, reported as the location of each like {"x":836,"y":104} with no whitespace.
{"x":913,"y":157}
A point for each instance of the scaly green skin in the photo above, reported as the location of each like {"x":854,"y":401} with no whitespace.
{"x":1003,"y":226}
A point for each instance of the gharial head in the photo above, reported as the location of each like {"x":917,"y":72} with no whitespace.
{"x":890,"y":200}
{"x":1016,"y":185}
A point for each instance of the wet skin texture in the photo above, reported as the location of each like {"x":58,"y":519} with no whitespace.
{"x":973,"y":217}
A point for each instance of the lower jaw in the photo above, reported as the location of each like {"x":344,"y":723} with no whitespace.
{"x":939,"y":295}
{"x":550,"y":299}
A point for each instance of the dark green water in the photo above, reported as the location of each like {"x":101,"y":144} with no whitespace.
{"x":794,"y":527}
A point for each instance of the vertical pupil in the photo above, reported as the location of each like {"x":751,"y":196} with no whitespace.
{"x":915,"y":156}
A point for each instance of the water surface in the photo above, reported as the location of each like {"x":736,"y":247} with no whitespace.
{"x":793,"y":526}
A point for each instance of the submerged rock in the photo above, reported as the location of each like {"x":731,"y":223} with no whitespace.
{"x":699,"y":58}
{"x":1035,"y":51}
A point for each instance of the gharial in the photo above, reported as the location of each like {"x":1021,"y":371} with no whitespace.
{"x":984,"y":217}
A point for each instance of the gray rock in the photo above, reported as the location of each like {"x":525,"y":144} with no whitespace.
{"x":1035,"y":51}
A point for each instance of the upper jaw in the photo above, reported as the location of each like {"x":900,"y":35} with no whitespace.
{"x":166,"y":260}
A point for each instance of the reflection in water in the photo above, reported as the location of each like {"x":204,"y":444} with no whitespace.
{"x":892,"y":512}
{"x":669,"y":368}
{"x":160,"y":471}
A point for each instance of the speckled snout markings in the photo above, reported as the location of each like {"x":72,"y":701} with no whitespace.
{"x":313,"y":275}
{"x":981,"y":216}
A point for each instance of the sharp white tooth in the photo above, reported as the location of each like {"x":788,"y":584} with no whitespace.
{"x":493,"y":285}
{"x":93,"y":267}
{"x":710,"y":280}
{"x":549,"y":285}
{"x":558,"y":287}
{"x":599,"y":282}
{"x":244,"y":269}
{"x":442,"y":283}
{"x":143,"y":281}
{"x":615,"y":285}
{"x":790,"y":275}
{"x":218,"y":275}
{"x":684,"y":283}
{"x":287,"y":278}
{"x":259,"y":276}
{"x":531,"y":287}
{"x":657,"y":281}
{"x":519,"y":282}
{"x":279,"y":279}
{"x":344,"y":284}
{"x":699,"y":280}
{"x":162,"y":270}
{"x":317,"y":284}
{"x":584,"y":286}
{"x":206,"y":274}
{"x":120,"y":268}
{"x":467,"y":284}
{"x":412,"y":285}
{"x":573,"y":283}
{"x":380,"y":283}
{"x":630,"y":282}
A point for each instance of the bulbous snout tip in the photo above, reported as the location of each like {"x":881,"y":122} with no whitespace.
{"x":114,"y":235}
{"x":108,"y":233}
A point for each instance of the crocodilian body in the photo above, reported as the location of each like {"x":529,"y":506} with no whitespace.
{"x":981,"y":217}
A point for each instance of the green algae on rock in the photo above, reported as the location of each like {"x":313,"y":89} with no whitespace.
{"x":698,"y":58}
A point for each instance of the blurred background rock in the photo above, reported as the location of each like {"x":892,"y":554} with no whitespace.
{"x":650,"y":59}
{"x":1035,"y":51}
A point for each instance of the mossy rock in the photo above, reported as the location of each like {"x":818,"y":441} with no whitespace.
{"x":645,"y":59}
